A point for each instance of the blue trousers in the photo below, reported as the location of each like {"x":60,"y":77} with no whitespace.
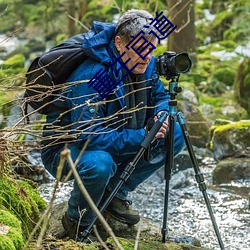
{"x":100,"y":170}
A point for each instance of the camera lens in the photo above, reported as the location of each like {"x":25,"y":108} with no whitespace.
{"x":182,"y":63}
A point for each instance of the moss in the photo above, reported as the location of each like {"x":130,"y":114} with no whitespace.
{"x":17,"y":61}
{"x":9,"y":219}
{"x":228,"y":45}
{"x":16,"y":237}
{"x":22,"y":200}
{"x":6,"y":243}
{"x":236,"y":125}
{"x":128,"y":244}
{"x":224,"y":75}
{"x":212,"y":100}
{"x":13,"y":71}
{"x":13,"y":238}
{"x":219,"y":103}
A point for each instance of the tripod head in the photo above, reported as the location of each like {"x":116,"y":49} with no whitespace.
{"x":174,"y":89}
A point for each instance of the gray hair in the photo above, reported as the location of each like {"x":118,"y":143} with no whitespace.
{"x":132,"y":22}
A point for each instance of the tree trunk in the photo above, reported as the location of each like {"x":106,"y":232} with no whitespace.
{"x":83,"y":7}
{"x":72,"y":13}
{"x":183,"y":38}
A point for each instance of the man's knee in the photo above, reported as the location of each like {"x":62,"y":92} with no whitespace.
{"x":97,"y":165}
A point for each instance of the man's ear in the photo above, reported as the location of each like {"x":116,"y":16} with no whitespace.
{"x":118,"y":42}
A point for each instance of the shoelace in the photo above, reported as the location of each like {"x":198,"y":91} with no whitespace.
{"x":127,"y":203}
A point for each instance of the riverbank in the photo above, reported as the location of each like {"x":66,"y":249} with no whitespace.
{"x":188,"y":215}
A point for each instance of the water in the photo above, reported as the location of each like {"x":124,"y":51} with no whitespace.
{"x":188,"y":215}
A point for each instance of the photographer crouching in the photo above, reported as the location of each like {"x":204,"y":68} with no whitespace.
{"x":111,"y":123}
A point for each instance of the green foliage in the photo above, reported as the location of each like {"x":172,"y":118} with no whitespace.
{"x":242,"y":84}
{"x":230,"y":21}
{"x":16,"y":61}
{"x":12,"y":67}
{"x":224,"y":75}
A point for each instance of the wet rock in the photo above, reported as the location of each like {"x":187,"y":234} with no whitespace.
{"x":231,"y":169}
{"x":197,"y":125}
{"x":231,"y":139}
{"x":181,"y":179}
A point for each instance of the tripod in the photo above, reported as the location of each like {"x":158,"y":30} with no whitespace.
{"x":169,"y":163}
{"x":173,"y":90}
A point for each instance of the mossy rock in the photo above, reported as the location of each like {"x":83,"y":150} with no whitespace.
{"x":22,"y":200}
{"x":221,"y":107}
{"x":231,"y":169}
{"x":232,"y":139}
{"x":10,"y":231}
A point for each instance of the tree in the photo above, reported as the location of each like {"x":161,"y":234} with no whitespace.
{"x":182,"y":14}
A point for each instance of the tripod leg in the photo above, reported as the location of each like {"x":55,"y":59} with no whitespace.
{"x":168,"y":173}
{"x":199,"y":176}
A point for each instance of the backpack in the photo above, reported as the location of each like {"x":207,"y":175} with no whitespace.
{"x":48,"y":73}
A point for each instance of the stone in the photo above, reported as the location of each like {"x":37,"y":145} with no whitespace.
{"x":197,"y":125}
{"x":231,"y":139}
{"x":231,"y":169}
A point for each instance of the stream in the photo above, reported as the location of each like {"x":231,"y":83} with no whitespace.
{"x":187,"y":212}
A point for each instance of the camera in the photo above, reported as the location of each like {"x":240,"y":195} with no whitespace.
{"x":171,"y":65}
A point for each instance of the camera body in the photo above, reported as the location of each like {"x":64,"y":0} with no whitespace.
{"x":171,"y":65}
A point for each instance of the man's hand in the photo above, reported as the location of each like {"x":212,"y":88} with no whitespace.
{"x":164,"y":128}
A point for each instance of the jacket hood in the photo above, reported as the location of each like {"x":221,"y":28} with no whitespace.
{"x":98,"y":43}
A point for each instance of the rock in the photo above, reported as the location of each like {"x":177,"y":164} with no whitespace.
{"x":149,"y":238}
{"x":188,"y":95}
{"x":197,"y":125}
{"x":231,"y":169}
{"x":181,"y":179}
{"x":232,"y":139}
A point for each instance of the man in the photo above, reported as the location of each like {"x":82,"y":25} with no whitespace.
{"x":111,"y":129}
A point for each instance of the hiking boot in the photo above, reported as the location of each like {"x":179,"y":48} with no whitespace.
{"x":75,"y":231}
{"x":121,"y":211}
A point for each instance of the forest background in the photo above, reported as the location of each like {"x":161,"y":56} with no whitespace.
{"x":214,"y":33}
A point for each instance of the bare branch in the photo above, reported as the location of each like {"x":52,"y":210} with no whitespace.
{"x":79,"y":22}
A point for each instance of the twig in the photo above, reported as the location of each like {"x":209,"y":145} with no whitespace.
{"x":137,"y":236}
{"x":66,"y":154}
{"x":77,"y":21}
{"x":99,"y":238}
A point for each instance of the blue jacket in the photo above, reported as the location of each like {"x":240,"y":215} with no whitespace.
{"x":105,"y":132}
